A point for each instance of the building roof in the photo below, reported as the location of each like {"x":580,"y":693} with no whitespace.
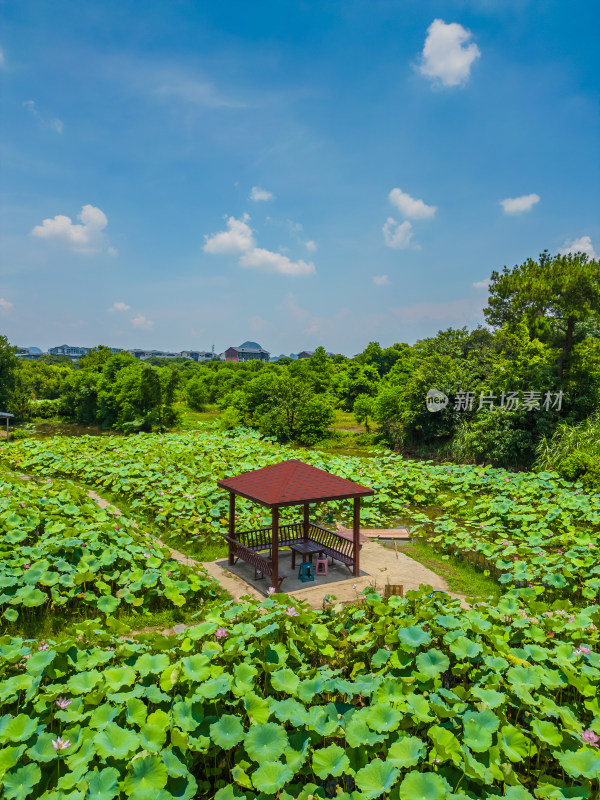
{"x":250,"y":346}
{"x":291,"y":483}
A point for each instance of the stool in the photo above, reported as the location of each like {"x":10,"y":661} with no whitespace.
{"x":306,"y":572}
{"x":321,"y":566}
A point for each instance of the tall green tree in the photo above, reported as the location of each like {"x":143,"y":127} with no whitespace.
{"x":9,"y":367}
{"x":552,"y":294}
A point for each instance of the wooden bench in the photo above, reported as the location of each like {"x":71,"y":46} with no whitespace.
{"x":261,"y":564}
{"x":337,"y":547}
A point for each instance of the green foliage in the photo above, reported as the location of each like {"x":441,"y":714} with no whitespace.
{"x":59,"y":550}
{"x":198,"y":716}
{"x":364,"y":407}
{"x":574,"y":452}
{"x":9,"y":365}
{"x":196,"y":394}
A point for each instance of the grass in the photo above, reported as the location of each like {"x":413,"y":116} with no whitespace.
{"x":461,"y":577}
{"x":190,"y":419}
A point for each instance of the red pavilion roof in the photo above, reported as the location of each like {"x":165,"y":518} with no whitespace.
{"x":291,"y":483}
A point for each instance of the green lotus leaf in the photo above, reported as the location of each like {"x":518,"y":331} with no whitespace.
{"x":175,"y":767}
{"x":116,"y":677}
{"x":547,"y":732}
{"x":10,"y":755}
{"x":330,"y":760}
{"x":196,"y":667}
{"x":136,"y":711}
{"x":153,"y":737}
{"x":382,"y":717}
{"x":147,"y":777}
{"x":83,"y":682}
{"x":285,"y":680}
{"x":32,"y":597}
{"x":477,"y":737}
{"x":42,"y":749}
{"x":422,"y":786}
{"x":151,"y":664}
{"x":406,"y":751}
{"x":265,"y":742}
{"x":11,"y":614}
{"x":418,"y":706}
{"x":229,"y":792}
{"x":108,"y":604}
{"x":517,"y":793}
{"x":271,"y":776}
{"x":486,"y":719}
{"x":514,"y":743}
{"x":446,"y":744}
{"x":582,"y":762}
{"x":464,"y":648}
{"x":116,"y":742}
{"x":183,"y":787}
{"x":358,"y":733}
{"x":290,"y":710}
{"x":39,"y":661}
{"x":490,"y":697}
{"x":376,"y":778}
{"x":413,"y":637}
{"x":103,"y":784}
{"x":432,"y":662}
{"x":16,"y":729}
{"x":19,"y":783}
{"x":227,"y":732}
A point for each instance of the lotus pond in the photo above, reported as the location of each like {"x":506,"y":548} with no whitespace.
{"x":413,"y":698}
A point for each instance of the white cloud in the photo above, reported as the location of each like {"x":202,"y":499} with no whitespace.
{"x":2,"y":59}
{"x":581,"y":245}
{"x":409,"y":207}
{"x":237,"y":239}
{"x":311,"y":246}
{"x":517,"y":205}
{"x":196,"y":93}
{"x":54,"y":123}
{"x":141,"y":322}
{"x":118,"y":306}
{"x":112,"y":252}
{"x":5,"y":305}
{"x":267,"y":260}
{"x":257,"y":194}
{"x":482,"y":284}
{"x":381,"y":280}
{"x":84,"y":238}
{"x":448,"y":54}
{"x":397,"y":235}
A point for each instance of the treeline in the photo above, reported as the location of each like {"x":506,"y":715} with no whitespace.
{"x":515,"y":391}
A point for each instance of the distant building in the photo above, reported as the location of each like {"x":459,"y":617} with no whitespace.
{"x":142,"y":355}
{"x":309,"y":353}
{"x":198,"y":355}
{"x":74,"y":353}
{"x":248,"y":351}
{"x":29,"y":353}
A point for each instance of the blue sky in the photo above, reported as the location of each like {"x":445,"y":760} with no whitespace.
{"x":187,"y":173}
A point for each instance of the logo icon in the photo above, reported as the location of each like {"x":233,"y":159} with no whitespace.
{"x":436,"y":401}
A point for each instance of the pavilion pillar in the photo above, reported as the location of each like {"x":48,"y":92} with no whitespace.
{"x":306,"y":523}
{"x":231,"y":525}
{"x":356,"y":536}
{"x":275,"y":546}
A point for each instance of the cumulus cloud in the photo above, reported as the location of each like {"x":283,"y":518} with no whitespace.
{"x":50,"y":122}
{"x":84,"y":238}
{"x":5,"y":305}
{"x":257,"y":194}
{"x":237,"y":238}
{"x":448,"y":54}
{"x":517,"y":205}
{"x":397,"y":235}
{"x":409,"y":207}
{"x":267,"y":260}
{"x":119,"y":306}
{"x":482,"y":284}
{"x":141,"y":322}
{"x":581,"y":245}
{"x":381,"y":280}
{"x":311,"y":246}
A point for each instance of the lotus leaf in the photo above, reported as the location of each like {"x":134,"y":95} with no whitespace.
{"x":271,"y":776}
{"x":265,"y":742}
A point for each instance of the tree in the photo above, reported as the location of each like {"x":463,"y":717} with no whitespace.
{"x":363,"y":410}
{"x":9,"y":366}
{"x":196,"y":394}
{"x":557,"y":291}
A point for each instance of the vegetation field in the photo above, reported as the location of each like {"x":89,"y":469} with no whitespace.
{"x":414,"y":698}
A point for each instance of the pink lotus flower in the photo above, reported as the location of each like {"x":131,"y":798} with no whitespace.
{"x":26,"y":566}
{"x":515,"y":558}
{"x":583,"y":650}
{"x":506,"y":543}
{"x":61,"y":744}
{"x":589,"y":737}
{"x":220,"y":633}
{"x":271,"y":590}
{"x":291,"y":612}
{"x":62,"y":703}
{"x":43,"y":645}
